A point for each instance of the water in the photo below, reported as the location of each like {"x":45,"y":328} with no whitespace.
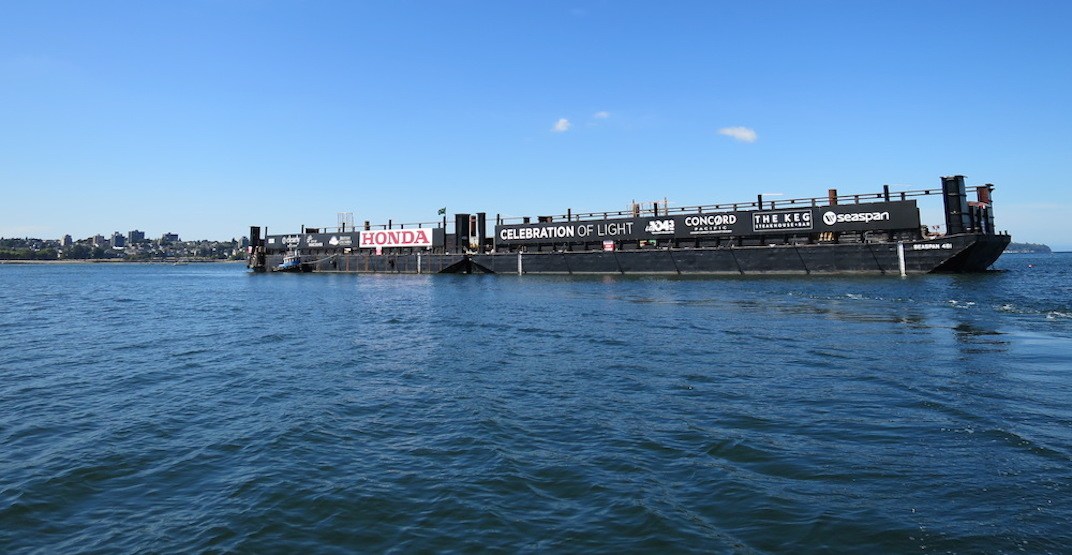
{"x":199,"y":408}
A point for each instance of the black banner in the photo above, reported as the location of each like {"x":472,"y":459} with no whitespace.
{"x":344,"y":240}
{"x":863,"y":217}
{"x":850,"y":217}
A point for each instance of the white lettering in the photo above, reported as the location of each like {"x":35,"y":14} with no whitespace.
{"x":831,"y":218}
{"x":711,"y":220}
{"x":932,"y":246}
{"x":660,"y":227}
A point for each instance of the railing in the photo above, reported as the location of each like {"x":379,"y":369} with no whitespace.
{"x":758,"y":204}
{"x":388,"y":225}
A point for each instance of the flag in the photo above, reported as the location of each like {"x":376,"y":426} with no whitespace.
{"x":443,"y":211}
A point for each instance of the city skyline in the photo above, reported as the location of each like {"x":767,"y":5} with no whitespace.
{"x":208,"y":117}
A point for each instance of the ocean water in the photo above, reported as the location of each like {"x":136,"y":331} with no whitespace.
{"x":199,"y":408}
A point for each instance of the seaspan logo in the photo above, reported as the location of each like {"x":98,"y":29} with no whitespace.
{"x":660,"y":227}
{"x":831,"y":218}
{"x":396,"y":238}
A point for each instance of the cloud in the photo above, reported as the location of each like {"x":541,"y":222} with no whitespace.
{"x":741,"y":134}
{"x":601,"y":115}
{"x":561,"y":126}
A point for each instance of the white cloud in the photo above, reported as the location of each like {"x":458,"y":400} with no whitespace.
{"x":601,"y":115}
{"x":561,"y":126}
{"x":742,"y":134}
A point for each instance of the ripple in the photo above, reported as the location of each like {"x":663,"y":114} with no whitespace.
{"x":470,"y":413}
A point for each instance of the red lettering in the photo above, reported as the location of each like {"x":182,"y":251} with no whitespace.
{"x":396,"y":238}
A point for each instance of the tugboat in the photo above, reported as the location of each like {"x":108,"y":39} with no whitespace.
{"x":292,"y":262}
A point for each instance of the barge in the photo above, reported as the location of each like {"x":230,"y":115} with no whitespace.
{"x":875,"y":233}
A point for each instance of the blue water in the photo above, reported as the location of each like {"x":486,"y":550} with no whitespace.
{"x":148,"y":408}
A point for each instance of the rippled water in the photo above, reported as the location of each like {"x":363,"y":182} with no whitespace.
{"x":200,"y":408}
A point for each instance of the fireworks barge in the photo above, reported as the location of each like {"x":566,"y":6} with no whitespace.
{"x":877,"y":233}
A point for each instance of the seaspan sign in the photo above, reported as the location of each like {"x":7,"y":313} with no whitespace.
{"x":396,"y":238}
{"x":868,"y":216}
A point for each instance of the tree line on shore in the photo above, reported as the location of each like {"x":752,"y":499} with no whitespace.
{"x":45,"y":249}
{"x":1034,"y":248}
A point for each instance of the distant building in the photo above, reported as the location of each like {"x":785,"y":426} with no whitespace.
{"x":245,"y":242}
{"x":118,"y":240}
{"x":98,"y":241}
{"x":135,"y":236}
{"x":170,"y":238}
{"x":66,"y":241}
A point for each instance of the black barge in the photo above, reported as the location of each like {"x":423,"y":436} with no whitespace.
{"x":877,"y":233}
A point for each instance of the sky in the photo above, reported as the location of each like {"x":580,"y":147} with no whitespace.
{"x":203,"y":117}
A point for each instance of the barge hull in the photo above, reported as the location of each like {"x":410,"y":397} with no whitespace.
{"x":952,"y":254}
{"x":966,"y":253}
{"x":367,"y":263}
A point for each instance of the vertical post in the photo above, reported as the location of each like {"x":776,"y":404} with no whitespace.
{"x":418,"y":262}
{"x":900,"y":258}
{"x":520,"y":270}
{"x":481,"y":230}
{"x":956,"y":204}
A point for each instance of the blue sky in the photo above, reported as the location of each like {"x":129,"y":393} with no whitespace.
{"x":203,"y":117}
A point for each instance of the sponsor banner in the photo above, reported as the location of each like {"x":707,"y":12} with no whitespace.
{"x":619,"y":229}
{"x":314,"y":240}
{"x":718,"y":223}
{"x":782,"y":220}
{"x":851,"y":217}
{"x":872,"y":216}
{"x":378,"y":239}
{"x":579,"y":232}
{"x":416,"y":237}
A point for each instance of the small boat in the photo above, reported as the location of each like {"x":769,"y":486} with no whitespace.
{"x":291,"y":263}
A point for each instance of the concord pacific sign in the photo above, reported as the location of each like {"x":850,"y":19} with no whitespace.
{"x":710,"y":219}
